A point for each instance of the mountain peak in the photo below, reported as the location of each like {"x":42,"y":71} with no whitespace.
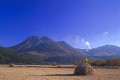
{"x":107,"y":46}
{"x":47,"y":39}
{"x":28,"y":43}
{"x":33,"y":37}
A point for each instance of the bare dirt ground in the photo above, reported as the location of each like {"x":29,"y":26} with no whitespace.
{"x":38,"y":73}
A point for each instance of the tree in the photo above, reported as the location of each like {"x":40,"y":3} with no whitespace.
{"x":75,"y":63}
{"x":99,"y":63}
{"x":90,"y":62}
{"x":109,"y":62}
{"x":116,"y":61}
{"x":80,"y":62}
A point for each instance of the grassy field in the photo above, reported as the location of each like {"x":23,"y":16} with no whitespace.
{"x":47,"y":73}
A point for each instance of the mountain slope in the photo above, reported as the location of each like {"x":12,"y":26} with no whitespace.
{"x":103,"y":52}
{"x":10,"y":56}
{"x":48,"y":50}
{"x":28,"y":43}
{"x":47,"y":39}
{"x":70,"y":48}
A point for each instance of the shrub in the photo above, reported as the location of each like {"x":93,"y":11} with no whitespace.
{"x":59,"y":66}
{"x":75,"y":63}
{"x":54,"y":64}
{"x":12,"y":65}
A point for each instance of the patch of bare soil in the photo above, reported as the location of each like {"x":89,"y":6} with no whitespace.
{"x":37,"y":73}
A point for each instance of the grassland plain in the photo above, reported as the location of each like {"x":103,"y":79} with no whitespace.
{"x":40,"y":73}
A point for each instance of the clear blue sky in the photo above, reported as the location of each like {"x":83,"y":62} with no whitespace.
{"x":74,"y":21}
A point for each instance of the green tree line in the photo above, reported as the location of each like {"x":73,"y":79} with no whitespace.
{"x":108,"y":62}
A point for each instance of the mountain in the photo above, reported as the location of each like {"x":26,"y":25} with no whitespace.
{"x":70,"y":48}
{"x":83,"y":50}
{"x":47,"y":39}
{"x":28,"y":43}
{"x":46,"y":49}
{"x":8,"y":56}
{"x":103,"y":52}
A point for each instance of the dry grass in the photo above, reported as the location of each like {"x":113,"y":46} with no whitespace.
{"x":39,"y":73}
{"x":41,"y":66}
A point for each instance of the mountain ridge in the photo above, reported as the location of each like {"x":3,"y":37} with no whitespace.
{"x":28,"y":43}
{"x":103,"y":52}
{"x":70,"y":48}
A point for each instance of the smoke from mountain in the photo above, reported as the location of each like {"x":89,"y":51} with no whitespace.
{"x":86,"y":44}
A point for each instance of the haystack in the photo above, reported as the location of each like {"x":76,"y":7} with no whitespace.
{"x":84,"y":69}
{"x":12,"y":65}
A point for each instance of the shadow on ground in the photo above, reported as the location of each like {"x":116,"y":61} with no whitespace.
{"x":61,"y":75}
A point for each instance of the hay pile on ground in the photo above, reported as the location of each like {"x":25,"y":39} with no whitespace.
{"x":12,"y":65}
{"x":84,"y":69}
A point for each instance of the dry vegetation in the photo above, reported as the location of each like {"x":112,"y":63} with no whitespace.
{"x":44,"y":72}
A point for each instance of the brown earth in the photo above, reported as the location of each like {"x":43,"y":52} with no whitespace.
{"x":38,"y":73}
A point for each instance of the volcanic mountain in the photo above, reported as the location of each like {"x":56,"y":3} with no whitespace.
{"x":46,"y":49}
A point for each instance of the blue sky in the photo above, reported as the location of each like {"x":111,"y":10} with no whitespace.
{"x":73,"y":21}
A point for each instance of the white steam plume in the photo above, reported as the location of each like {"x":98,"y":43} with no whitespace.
{"x":87,"y":44}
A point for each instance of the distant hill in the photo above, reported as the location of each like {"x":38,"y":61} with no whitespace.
{"x":48,"y":50}
{"x":103,"y":52}
{"x":8,"y":56}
